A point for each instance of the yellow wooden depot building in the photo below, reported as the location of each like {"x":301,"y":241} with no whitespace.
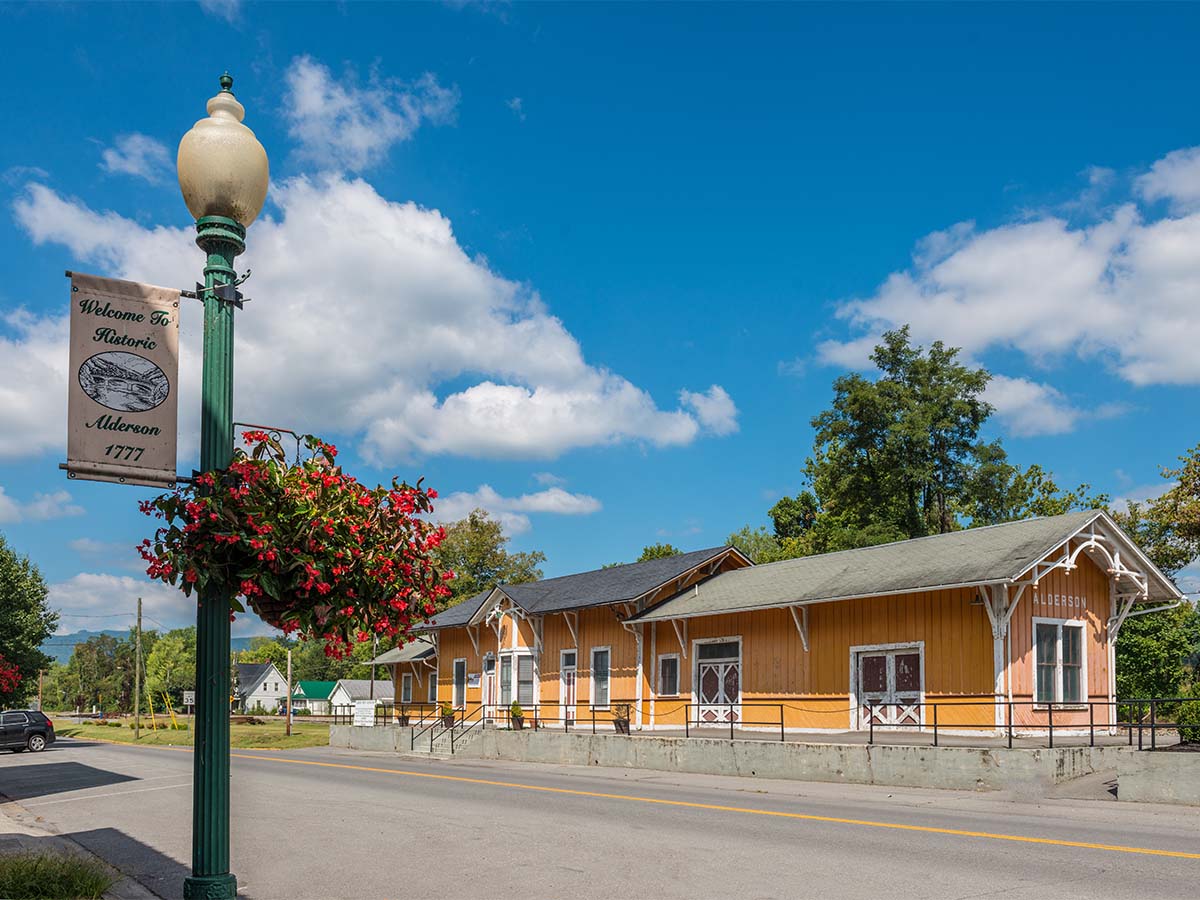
{"x":1009,"y":623}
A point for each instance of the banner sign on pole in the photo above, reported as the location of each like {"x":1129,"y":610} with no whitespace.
{"x":123,"y":391}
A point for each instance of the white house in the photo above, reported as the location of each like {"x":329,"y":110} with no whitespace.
{"x":346,"y":691}
{"x":259,"y":686}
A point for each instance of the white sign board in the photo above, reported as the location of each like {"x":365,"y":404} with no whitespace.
{"x":189,"y":698}
{"x":123,"y":388}
{"x":364,"y":712}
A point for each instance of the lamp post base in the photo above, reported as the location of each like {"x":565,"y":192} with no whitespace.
{"x":210,"y":887}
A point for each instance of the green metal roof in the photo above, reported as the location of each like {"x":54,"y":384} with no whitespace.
{"x":997,"y":553}
{"x":314,"y":690}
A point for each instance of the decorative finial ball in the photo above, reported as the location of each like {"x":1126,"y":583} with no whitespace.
{"x":223,"y":169}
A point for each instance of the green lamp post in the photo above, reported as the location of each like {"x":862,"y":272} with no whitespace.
{"x":223,"y":174}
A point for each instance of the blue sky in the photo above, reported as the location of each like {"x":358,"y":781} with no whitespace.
{"x":594,"y":267}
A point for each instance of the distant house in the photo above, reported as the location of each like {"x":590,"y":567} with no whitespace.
{"x":313,"y":696}
{"x":348,"y":690}
{"x":259,"y":686}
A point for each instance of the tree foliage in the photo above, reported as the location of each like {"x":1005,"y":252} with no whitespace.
{"x":476,"y":550}
{"x":658,"y":551}
{"x":171,"y":665}
{"x":25,"y":623}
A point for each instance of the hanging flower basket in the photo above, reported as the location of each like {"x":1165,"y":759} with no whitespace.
{"x":306,"y":546}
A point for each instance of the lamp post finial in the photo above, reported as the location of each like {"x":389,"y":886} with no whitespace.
{"x":227,"y":82}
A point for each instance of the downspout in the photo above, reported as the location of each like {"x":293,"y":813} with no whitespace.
{"x":654,"y":662}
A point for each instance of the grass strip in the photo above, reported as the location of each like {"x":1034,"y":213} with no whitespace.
{"x":52,"y":876}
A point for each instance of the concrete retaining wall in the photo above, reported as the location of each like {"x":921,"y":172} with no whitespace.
{"x":1028,"y":772}
{"x":1159,"y":777}
{"x":392,"y":738}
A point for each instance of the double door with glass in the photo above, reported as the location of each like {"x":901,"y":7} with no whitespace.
{"x":890,"y":686}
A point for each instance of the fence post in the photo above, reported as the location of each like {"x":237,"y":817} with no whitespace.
{"x":1050,"y":719}
{"x":593,"y":709}
{"x":1139,"y":724}
{"x":731,"y":721}
{"x":1091,"y":724}
{"x":1153,"y":723}
{"x":935,"y":725}
{"x":871,"y":724}
{"x":781,"y":737}
{"x":687,"y":718}
{"x":1010,"y":724}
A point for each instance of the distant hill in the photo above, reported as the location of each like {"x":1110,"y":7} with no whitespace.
{"x":61,"y":646}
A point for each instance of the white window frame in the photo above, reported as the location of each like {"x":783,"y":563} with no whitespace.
{"x":1081,"y":624}
{"x":454,"y":698}
{"x":678,"y":675}
{"x":406,"y":681}
{"x":606,"y":648}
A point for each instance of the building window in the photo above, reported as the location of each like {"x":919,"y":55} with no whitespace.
{"x":460,"y":683}
{"x":406,"y":688}
{"x":668,"y":675}
{"x":600,"y":666}
{"x":525,"y":680}
{"x":505,"y":680}
{"x":433,"y":687}
{"x":1059,"y":661}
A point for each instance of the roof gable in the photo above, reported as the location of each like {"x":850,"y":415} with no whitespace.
{"x":360,"y":689}
{"x":251,"y":675}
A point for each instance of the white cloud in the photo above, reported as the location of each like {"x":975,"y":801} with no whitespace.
{"x":229,"y":10}
{"x":1119,"y":291}
{"x":512,"y":511}
{"x":343,"y":126}
{"x":362,"y":307}
{"x":714,"y":409}
{"x":1175,"y":177}
{"x":95,"y":600}
{"x":548,"y":479}
{"x":138,"y":155}
{"x":33,"y":391}
{"x":41,"y":508}
{"x":517,"y":105}
{"x":1029,"y":408}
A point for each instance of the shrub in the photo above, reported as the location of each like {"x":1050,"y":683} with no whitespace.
{"x":1188,"y":718}
{"x":301,"y":712}
{"x":621,"y":711}
{"x":515,"y":710}
{"x":52,"y":876}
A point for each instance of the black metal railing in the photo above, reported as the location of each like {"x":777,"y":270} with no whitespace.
{"x":928,"y":718}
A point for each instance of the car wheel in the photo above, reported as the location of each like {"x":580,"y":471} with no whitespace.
{"x":37,"y":742}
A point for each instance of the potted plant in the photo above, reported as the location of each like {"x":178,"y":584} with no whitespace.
{"x":447,"y":715}
{"x":620,"y":717}
{"x":402,"y":716}
{"x":303,"y":544}
{"x":517,"y":715}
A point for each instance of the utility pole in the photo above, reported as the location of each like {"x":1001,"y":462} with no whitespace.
{"x":374,"y":655}
{"x":137,"y":676}
{"x":289,"y":693}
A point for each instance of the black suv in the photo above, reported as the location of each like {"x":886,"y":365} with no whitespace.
{"x":25,"y":729}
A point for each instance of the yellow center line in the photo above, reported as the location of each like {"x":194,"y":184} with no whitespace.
{"x":805,"y":817}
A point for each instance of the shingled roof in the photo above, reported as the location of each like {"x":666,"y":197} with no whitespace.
{"x":598,"y":587}
{"x":976,"y":556}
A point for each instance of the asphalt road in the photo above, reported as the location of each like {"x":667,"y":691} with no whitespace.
{"x":332,"y":824}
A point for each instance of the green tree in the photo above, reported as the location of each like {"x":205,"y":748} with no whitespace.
{"x":265,"y":649}
{"x":475,"y":550}
{"x":1153,"y":650}
{"x":658,"y":551}
{"x":998,"y":491}
{"x":25,"y":622}
{"x":895,"y":453}
{"x":171,"y":665}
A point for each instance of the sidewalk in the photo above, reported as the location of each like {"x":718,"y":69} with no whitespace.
{"x":19,"y":833}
